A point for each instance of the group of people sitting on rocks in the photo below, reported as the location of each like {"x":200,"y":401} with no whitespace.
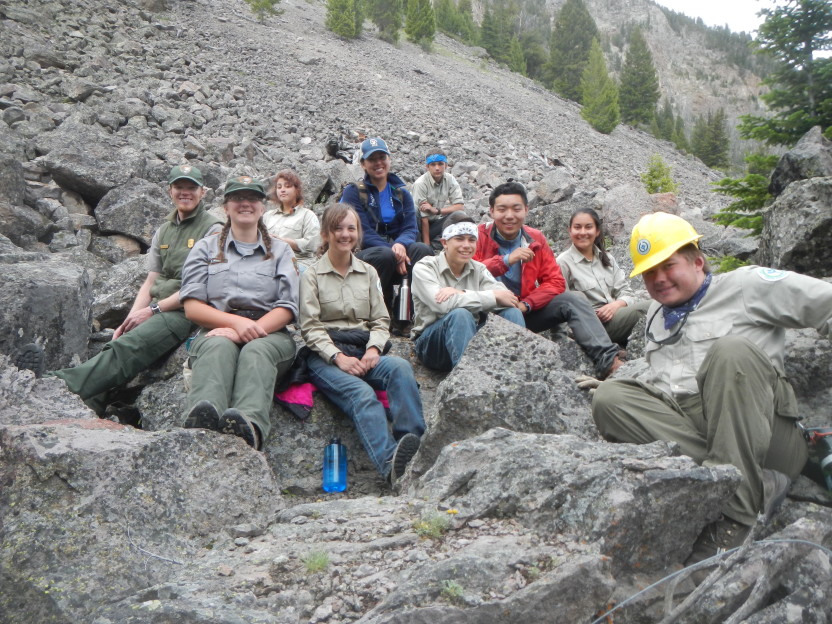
{"x":715,"y":382}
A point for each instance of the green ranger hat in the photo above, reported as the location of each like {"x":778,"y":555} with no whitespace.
{"x":185,"y":172}
{"x":244,"y":183}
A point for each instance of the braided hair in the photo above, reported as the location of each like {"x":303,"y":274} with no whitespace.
{"x":261,"y":228}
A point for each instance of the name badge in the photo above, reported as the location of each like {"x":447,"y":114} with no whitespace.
{"x":190,"y":243}
{"x":164,"y":246}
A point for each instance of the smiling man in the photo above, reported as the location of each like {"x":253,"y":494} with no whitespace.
{"x":716,"y":383}
{"x":452,"y":294}
{"x":156,"y":324}
{"x":520,"y":257}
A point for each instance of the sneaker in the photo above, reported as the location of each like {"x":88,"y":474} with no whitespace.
{"x":775,"y":487}
{"x":716,"y":538}
{"x":30,"y":357}
{"x":405,"y":450}
{"x":234,"y":423}
{"x":203,"y":415}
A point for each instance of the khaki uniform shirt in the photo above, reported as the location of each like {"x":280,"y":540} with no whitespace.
{"x":243,"y":280}
{"x":433,"y":273}
{"x":302,"y":226}
{"x":446,"y":193}
{"x":753,"y":302}
{"x":600,"y":284}
{"x":329,"y":300}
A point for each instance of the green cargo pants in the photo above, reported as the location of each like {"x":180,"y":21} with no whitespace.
{"x":126,"y":357}
{"x":743,"y":415}
{"x":240,"y":376}
{"x":621,"y":325}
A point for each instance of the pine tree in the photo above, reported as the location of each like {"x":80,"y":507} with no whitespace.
{"x":657,"y":177}
{"x":639,"y":83}
{"x":262,"y":8}
{"x":345,"y":17}
{"x":709,"y":140}
{"x":680,"y":138}
{"x":801,"y":82}
{"x":569,"y":48}
{"x":494,"y":36}
{"x":420,"y":25}
{"x":516,"y":59}
{"x":387,"y":15}
{"x":750,"y":191}
{"x":599,"y":93}
{"x":665,"y":121}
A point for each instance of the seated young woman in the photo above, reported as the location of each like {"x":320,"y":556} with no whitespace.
{"x":291,"y":221}
{"x":241,"y":287}
{"x":344,"y":322}
{"x":588,"y":268}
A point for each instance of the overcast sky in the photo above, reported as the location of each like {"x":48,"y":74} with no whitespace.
{"x":740,"y":15}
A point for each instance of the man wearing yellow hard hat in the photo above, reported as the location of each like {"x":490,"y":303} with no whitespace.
{"x":715,"y":382}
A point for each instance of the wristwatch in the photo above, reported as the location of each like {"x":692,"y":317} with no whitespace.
{"x":334,"y":355}
{"x":154,"y":307}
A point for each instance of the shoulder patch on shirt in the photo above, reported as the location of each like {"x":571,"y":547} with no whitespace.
{"x":771,"y":275}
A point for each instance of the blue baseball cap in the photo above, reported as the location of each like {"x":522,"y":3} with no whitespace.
{"x":373,"y":145}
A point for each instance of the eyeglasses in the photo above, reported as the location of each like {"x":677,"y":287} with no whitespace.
{"x":245,"y":197}
{"x":673,"y":338}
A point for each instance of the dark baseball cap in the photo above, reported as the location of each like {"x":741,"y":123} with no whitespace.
{"x":373,"y":145}
{"x":185,"y":172}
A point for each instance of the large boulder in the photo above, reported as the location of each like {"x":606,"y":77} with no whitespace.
{"x":509,"y":377}
{"x":23,"y":225}
{"x":47,"y":302}
{"x":91,"y":512}
{"x":557,"y":185}
{"x":135,"y":208}
{"x":811,"y":157}
{"x":797,"y":229}
{"x":12,"y":182}
{"x":92,"y":170}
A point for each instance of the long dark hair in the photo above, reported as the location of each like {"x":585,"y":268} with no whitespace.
{"x":599,"y":236}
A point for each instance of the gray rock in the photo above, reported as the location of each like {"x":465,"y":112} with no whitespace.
{"x":136,"y":208}
{"x":12,"y":182}
{"x":46,"y":302}
{"x":501,"y":382}
{"x":117,"y":290}
{"x":811,"y":157}
{"x":95,"y":170}
{"x":24,"y":226}
{"x":797,"y":229}
{"x":556,"y":186}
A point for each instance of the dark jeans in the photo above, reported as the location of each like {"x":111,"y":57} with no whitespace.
{"x":574,"y":309}
{"x":384,"y":261}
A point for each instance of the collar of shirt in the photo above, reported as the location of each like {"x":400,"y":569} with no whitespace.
{"x":230,"y":240}
{"x":442,"y":261}
{"x":325,"y":266}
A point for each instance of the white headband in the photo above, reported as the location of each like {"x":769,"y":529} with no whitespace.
{"x":460,"y":229}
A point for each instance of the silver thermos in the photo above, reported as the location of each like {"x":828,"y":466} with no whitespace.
{"x":403,"y":307}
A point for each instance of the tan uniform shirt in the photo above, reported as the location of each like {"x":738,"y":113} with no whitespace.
{"x":329,"y":300}
{"x":753,"y":302}
{"x":446,"y":193}
{"x":433,"y":273}
{"x":302,"y":226}
{"x":600,"y":284}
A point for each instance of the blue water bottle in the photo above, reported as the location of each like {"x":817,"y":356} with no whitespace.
{"x":335,"y":466}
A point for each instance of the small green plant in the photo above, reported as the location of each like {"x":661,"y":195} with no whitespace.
{"x":751,"y":193}
{"x":726,"y":264}
{"x":432,"y":525}
{"x":262,"y":8}
{"x":315,"y":561}
{"x":452,"y":591}
{"x":657,"y":177}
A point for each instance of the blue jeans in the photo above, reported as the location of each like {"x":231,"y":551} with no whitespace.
{"x":574,"y":308}
{"x":356,"y":397}
{"x":441,"y":345}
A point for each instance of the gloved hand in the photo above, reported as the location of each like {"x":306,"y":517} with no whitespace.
{"x":585,"y":382}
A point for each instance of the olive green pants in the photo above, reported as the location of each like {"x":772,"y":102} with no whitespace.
{"x":621,"y":325}
{"x":743,"y":415}
{"x":240,"y":376}
{"x":126,"y":357}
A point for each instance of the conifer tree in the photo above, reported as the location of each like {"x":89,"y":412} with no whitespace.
{"x":639,"y":84}
{"x":516,"y":58}
{"x":680,"y":138}
{"x":665,"y":121}
{"x":792,"y":35}
{"x":345,"y":17}
{"x":569,"y":48}
{"x":599,"y":93}
{"x":420,"y":25}
{"x":387,"y":15}
{"x":709,"y":140}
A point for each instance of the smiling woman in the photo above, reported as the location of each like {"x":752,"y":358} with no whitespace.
{"x":241,"y":287}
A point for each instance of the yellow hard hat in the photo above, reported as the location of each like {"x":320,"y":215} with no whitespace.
{"x":656,"y":237}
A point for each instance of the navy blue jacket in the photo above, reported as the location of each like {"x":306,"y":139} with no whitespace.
{"x":402,"y":229}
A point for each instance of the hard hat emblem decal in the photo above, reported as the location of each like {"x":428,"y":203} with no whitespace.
{"x":643,"y":246}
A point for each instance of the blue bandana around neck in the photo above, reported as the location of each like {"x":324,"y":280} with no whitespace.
{"x":673,"y":315}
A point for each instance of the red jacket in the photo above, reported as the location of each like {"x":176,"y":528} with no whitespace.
{"x":541,"y":279}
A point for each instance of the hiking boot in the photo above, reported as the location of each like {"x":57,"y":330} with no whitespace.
{"x":775,"y":487}
{"x":405,"y":450}
{"x":203,"y":415}
{"x":716,"y":538}
{"x":30,"y":357}
{"x":234,"y":423}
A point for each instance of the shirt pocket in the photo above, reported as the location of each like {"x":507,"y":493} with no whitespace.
{"x":332,"y":304}
{"x":218,"y":278}
{"x":361,"y":303}
{"x":264,"y":286}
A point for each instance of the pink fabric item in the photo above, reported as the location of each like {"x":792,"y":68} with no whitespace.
{"x":381,"y":395}
{"x":298,"y":394}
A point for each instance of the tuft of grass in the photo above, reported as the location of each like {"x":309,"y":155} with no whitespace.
{"x":726,"y":264}
{"x":432,"y":525}
{"x":315,"y":561}
{"x":452,"y":591}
